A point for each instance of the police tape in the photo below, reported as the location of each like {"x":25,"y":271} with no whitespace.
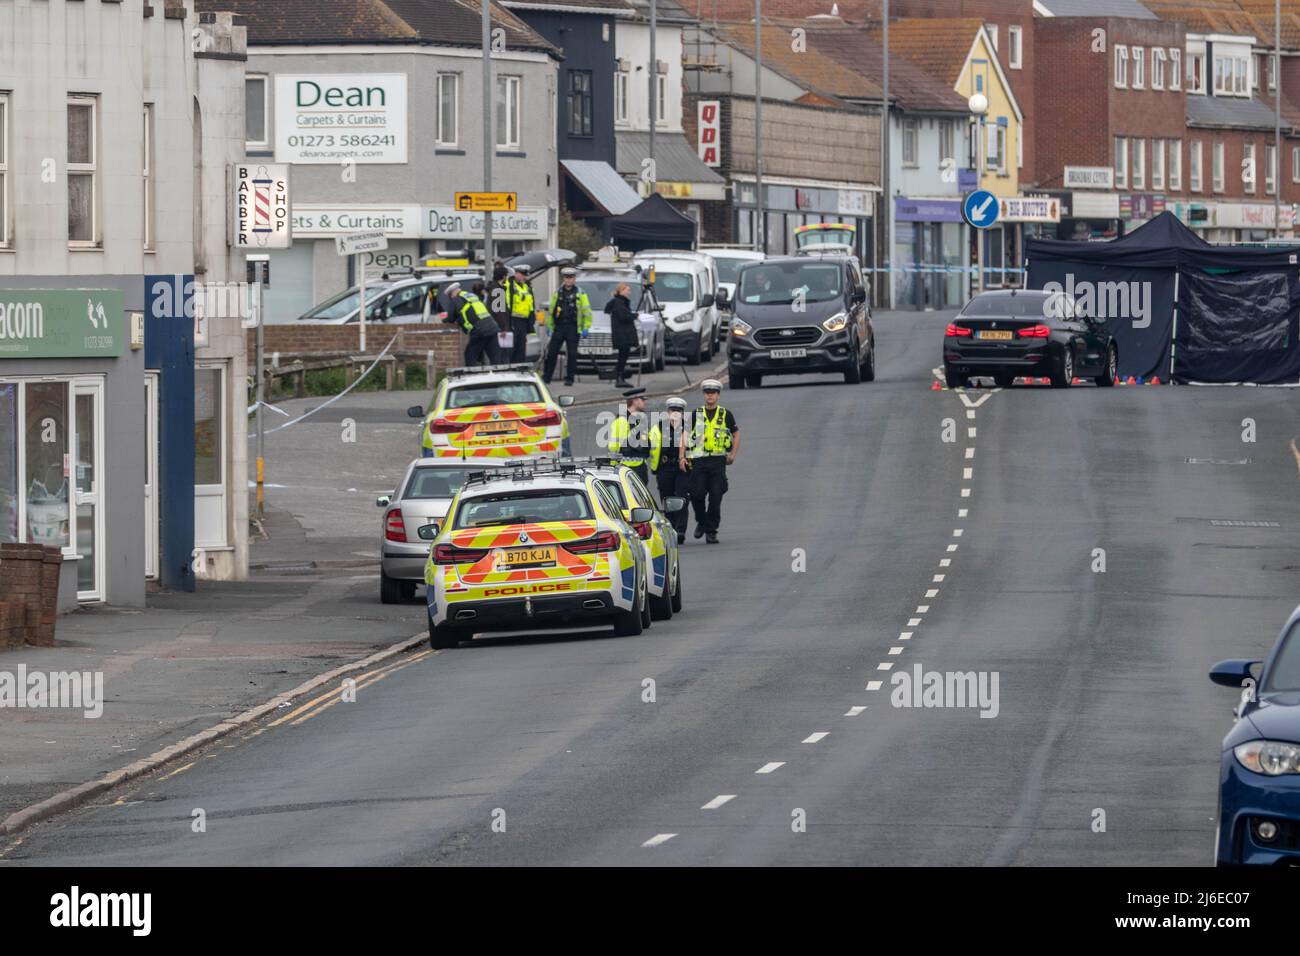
{"x":307,"y":414}
{"x":944,"y":269}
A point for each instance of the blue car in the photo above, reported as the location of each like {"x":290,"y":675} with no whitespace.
{"x":1259,"y":777}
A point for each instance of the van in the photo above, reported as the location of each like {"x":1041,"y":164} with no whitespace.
{"x":686,"y":287}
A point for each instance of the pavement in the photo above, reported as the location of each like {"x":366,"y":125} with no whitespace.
{"x":761,"y":726}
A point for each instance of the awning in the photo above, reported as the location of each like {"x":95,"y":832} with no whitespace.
{"x":602,"y":184}
{"x":679,"y":173}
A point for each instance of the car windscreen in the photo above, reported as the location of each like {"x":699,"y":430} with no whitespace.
{"x":729,"y":269}
{"x":600,"y":291}
{"x":615,"y":490}
{"x":674,"y":287}
{"x":782,"y":283}
{"x":345,"y":302}
{"x":493,"y":393}
{"x":1284,"y":675}
{"x":439,"y":481}
{"x":523,"y":507}
{"x":1009,"y":306}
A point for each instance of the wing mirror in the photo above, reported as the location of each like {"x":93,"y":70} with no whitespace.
{"x":641,"y":515}
{"x":415,"y":411}
{"x":707,"y":300}
{"x":1233,"y":673}
{"x":722,"y":299}
{"x":427,"y":532}
{"x":859,"y":296}
{"x":383,"y":501}
{"x":674,"y":504}
{"x":565,"y":400}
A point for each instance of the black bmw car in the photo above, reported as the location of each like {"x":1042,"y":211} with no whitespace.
{"x":1030,"y":333}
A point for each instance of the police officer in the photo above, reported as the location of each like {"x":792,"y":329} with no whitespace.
{"x":519,"y":300}
{"x":568,"y":318}
{"x":628,"y":441}
{"x":712,"y":445}
{"x":468,"y":311}
{"x":665,"y":456}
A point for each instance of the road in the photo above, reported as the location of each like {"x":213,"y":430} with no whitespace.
{"x":1103,"y":748}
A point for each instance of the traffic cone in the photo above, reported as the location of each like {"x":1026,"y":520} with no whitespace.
{"x":935,"y":386}
{"x":1076,"y":381}
{"x":1118,"y":381}
{"x":1140,"y":381}
{"x":1131,"y":381}
{"x":975,"y":383}
{"x":1155,"y":380}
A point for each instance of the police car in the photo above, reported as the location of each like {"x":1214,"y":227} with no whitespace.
{"x":535,"y":545}
{"x":657,"y":535}
{"x":493,"y":411}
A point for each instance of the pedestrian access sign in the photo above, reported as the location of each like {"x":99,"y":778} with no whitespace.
{"x":487,"y":202}
{"x":980,"y":209}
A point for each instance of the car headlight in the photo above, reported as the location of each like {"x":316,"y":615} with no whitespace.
{"x":1272,"y":758}
{"x":741,"y":328}
{"x":686,"y":318}
{"x":836,"y":322}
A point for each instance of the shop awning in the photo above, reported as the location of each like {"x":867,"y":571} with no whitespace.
{"x":679,"y":173}
{"x":602,"y":184}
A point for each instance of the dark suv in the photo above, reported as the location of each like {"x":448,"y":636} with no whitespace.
{"x":799,"y":314}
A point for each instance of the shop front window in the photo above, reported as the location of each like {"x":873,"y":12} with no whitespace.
{"x":47,"y":463}
{"x":8,"y":463}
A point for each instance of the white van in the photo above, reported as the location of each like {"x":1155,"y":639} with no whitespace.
{"x":728,"y":260}
{"x":686,"y":285}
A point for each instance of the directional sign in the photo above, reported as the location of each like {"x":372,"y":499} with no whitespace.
{"x":487,"y":202}
{"x":361,"y":242}
{"x":980,"y":208}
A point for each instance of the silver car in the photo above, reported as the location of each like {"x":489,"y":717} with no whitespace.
{"x":423,"y":497}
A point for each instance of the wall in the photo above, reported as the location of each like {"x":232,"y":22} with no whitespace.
{"x":803,"y":142}
{"x":293,"y":341}
{"x":633,"y":44}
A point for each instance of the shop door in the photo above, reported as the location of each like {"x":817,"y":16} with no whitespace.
{"x":151,"y":475}
{"x":88,"y":398}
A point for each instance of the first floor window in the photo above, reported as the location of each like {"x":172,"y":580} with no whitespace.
{"x":1121,"y":66}
{"x":1175,"y":68}
{"x":947,"y":147}
{"x":83,"y":171}
{"x":256,"y":136}
{"x":147,"y":160}
{"x":1194,"y":161}
{"x":580,"y":105}
{"x":1139,"y":164}
{"x":1217,"y":167}
{"x":1157,"y":68}
{"x":1249,"y":174}
{"x":1014,"y":54}
{"x":448,"y":130}
{"x":1295,"y":164}
{"x":1270,"y":169}
{"x":4,"y":169}
{"x":1157,"y":164}
{"x":1121,"y":161}
{"x":509,"y":90}
{"x":621,"y":84}
{"x":1175,"y":165}
{"x":910,"y":134}
{"x":1139,"y":67}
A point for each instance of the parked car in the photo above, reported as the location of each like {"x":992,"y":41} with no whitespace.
{"x":599,"y":281}
{"x":686,"y":286}
{"x":1027,"y":333}
{"x":799,"y":314}
{"x":1259,"y":765}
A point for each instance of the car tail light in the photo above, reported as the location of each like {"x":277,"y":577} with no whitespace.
{"x":605,"y":541}
{"x":450,"y":554}
{"x":958,"y":331}
{"x":644,"y":530}
{"x":1039,"y":331}
{"x":545,"y":421}
{"x":394,"y":526}
{"x":440,"y":426}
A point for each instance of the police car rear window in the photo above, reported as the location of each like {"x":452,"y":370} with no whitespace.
{"x":493,"y":393}
{"x":523,"y":507}
{"x":439,"y":482}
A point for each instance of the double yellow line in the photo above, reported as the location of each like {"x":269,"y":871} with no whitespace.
{"x":318,"y":705}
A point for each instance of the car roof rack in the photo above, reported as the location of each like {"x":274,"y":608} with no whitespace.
{"x":464,"y":370}
{"x":587,"y":461}
{"x":526,"y":471}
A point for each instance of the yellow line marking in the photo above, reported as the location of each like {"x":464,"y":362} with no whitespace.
{"x":1295,"y":451}
{"x":11,"y":846}
{"x":168,"y":776}
{"x":373,"y":680}
{"x":331,"y":692}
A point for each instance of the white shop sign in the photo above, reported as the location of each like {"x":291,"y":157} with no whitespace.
{"x":335,"y":118}
{"x":1089,"y":177}
{"x":1085,"y":205}
{"x":314,"y":221}
{"x":260,"y":193}
{"x":1247,"y":215}
{"x":446,"y":222}
{"x":1029,"y":209}
{"x":855,"y":202}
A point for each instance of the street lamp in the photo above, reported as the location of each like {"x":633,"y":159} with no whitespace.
{"x":978,"y":105}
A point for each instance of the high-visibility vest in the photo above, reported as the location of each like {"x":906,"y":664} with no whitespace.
{"x":521,"y":299}
{"x":661,"y":452}
{"x":584,"y":311}
{"x":475,"y":305}
{"x":625,"y":454}
{"x":710,"y":436}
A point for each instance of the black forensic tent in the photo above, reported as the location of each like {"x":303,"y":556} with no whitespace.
{"x":654,"y":224}
{"x":1180,"y":307}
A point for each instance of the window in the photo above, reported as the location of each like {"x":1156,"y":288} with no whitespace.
{"x":1121,"y":162}
{"x":1196,"y":72}
{"x":4,"y":170}
{"x":147,"y":161}
{"x":509,"y":90}
{"x":1139,"y":67}
{"x":256,"y":134}
{"x":910,"y":134}
{"x":1270,"y":168}
{"x":1216,"y":170}
{"x":83,"y":191}
{"x":1015,"y":53}
{"x":1248,"y":167}
{"x":661,"y":99}
{"x":1256,"y":69}
{"x":1240,"y":79}
{"x":1231,"y":76}
{"x":1175,"y":69}
{"x":997,"y":148}
{"x":1295,"y":164}
{"x":947,"y":141}
{"x":621,"y":81}
{"x":1194,"y":161}
{"x":1175,"y":165}
{"x":1272,"y":72}
{"x":992,"y":28}
{"x":448,"y":132}
{"x":1139,"y":164}
{"x":1157,"y":68}
{"x":209,"y":455}
{"x":579,"y":103}
{"x":1121,"y":66}
{"x":1158,"y":164}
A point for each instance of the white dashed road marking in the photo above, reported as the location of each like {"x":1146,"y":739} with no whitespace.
{"x":854,"y":711}
{"x":658,"y":839}
{"x":769,"y":767}
{"x":814,"y":738}
{"x":718,"y":801}
{"x":873,"y":685}
{"x":885,"y":666}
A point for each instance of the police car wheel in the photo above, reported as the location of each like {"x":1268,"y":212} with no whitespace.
{"x":677,"y":592}
{"x":661,"y":608}
{"x":629,"y":623}
{"x":442,"y":637}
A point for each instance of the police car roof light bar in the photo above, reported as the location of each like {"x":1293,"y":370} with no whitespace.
{"x":464,"y":370}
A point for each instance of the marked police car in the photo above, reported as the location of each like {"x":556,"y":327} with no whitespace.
{"x":493,"y":411}
{"x":658,"y":535}
{"x":535,"y":545}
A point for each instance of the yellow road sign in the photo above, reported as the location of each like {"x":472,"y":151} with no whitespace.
{"x":487,"y":202}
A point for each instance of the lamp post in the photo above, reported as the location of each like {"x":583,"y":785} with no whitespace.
{"x":978,"y":105}
{"x":487,"y":137}
{"x":760,"y":224}
{"x":1277,"y":119}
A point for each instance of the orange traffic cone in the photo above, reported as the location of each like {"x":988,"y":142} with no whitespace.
{"x":1131,"y":381}
{"x":1076,"y":381}
{"x":1155,"y":380}
{"x":1118,"y":381}
{"x":935,"y":386}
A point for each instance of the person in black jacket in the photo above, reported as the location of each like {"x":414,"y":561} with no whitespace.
{"x":623,"y":330}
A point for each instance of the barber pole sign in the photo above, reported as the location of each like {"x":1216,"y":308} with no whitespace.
{"x":262,"y":218}
{"x":710,"y":131}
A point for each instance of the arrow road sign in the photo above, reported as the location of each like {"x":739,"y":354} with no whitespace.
{"x":487,"y":202}
{"x":980,"y":208}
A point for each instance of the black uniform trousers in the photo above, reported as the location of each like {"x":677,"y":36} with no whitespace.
{"x":481,"y":349}
{"x":565,"y":334}
{"x":519,"y":326}
{"x":674,"y":483}
{"x":708,"y":485}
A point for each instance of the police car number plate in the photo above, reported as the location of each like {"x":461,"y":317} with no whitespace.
{"x":597,"y":351}
{"x":497,"y":428}
{"x":528,"y":558}
{"x":789,"y":353}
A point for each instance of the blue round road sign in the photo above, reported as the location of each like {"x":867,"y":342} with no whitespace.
{"x":980,"y":208}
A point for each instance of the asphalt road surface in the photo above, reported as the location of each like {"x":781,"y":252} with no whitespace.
{"x":772,"y":737}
